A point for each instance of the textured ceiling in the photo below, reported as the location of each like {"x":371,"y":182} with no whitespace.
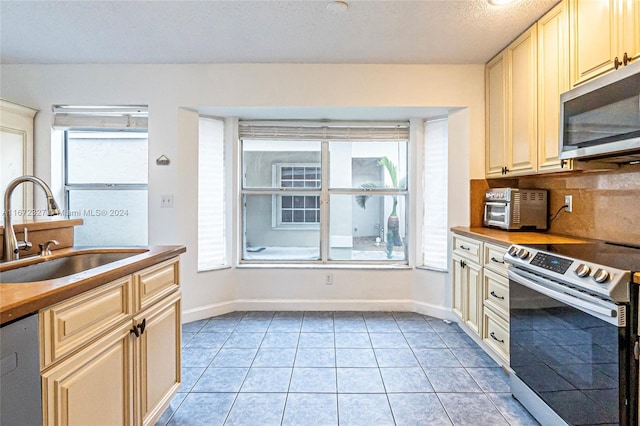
{"x":266,"y":31}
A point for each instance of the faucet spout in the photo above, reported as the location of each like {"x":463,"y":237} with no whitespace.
{"x":11,"y":247}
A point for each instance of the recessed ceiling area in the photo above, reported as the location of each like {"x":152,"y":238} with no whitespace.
{"x":265,"y":31}
{"x":327,"y":113}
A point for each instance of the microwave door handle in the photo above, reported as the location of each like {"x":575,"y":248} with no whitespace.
{"x":605,"y":314}
{"x":494,"y":203}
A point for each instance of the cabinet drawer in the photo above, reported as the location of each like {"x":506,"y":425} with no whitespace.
{"x":154,"y":283}
{"x":68,"y":325}
{"x":468,"y":248}
{"x":494,"y":258}
{"x":496,"y":293}
{"x":496,"y":334}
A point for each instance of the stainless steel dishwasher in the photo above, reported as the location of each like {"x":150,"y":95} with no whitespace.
{"x":20,"y":395}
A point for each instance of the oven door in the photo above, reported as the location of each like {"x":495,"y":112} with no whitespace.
{"x":572,"y":353}
{"x":497,"y":214}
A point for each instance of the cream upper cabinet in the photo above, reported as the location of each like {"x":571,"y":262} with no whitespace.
{"x":496,"y":120}
{"x":511,"y":109}
{"x":553,"y":80}
{"x":605,"y":35}
{"x":522,"y":104}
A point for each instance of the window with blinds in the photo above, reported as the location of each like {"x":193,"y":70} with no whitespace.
{"x":106,"y":173}
{"x":434,"y":228}
{"x":324,"y":192}
{"x":211,"y":193}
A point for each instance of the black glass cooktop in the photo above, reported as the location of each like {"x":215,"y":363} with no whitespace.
{"x":624,"y":257}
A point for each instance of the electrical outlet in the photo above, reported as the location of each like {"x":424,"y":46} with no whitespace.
{"x":568,"y":202}
{"x":166,"y":201}
{"x":328,"y":278}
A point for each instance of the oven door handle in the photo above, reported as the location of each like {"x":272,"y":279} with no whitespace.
{"x":606,"y":314}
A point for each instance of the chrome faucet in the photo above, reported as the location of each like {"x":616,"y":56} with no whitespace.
{"x":11,"y":245}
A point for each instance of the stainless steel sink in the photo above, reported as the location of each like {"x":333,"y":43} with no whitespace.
{"x":62,"y":266}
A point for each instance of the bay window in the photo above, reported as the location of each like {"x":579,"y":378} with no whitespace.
{"x":324,"y":192}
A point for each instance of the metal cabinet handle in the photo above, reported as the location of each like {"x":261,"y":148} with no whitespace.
{"x":465,"y":248}
{"x":616,"y":63}
{"x":138,"y":329}
{"x":626,"y":59}
{"x":493,"y":293}
{"x":493,"y":259}
{"x":493,"y":336}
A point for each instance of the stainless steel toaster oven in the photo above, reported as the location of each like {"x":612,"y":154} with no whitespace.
{"x":514,"y":209}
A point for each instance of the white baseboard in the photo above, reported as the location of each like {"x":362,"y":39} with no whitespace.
{"x":401,"y":305}
{"x":436,"y":311}
{"x":203,"y":312}
{"x":323,"y":305}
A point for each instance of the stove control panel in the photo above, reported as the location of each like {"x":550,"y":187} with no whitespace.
{"x":551,"y":263}
{"x":597,"y":279}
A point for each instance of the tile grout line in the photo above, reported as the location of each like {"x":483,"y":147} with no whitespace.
{"x":334,"y":332}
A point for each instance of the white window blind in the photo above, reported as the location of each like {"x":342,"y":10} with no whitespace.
{"x":132,"y":117}
{"x":211,"y":232}
{"x":351,"y":131}
{"x":434,"y":231}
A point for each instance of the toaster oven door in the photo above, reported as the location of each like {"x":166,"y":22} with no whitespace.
{"x":497,"y":214}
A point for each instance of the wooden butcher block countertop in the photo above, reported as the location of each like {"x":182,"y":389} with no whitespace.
{"x":20,"y":299}
{"x":506,"y":238}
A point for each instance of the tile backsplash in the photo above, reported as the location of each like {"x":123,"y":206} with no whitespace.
{"x":606,"y":205}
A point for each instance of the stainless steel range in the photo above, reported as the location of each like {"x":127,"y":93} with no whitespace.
{"x":573,"y":326}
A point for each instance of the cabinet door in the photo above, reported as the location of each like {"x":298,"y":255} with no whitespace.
{"x":553,"y":79}
{"x":594,"y":39}
{"x":495,"y":98}
{"x":457,"y":279}
{"x":93,"y":386}
{"x":472,"y":291}
{"x":522,"y":143}
{"x":630,"y":28}
{"x":157,"y":353}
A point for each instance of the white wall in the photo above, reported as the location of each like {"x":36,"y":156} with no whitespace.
{"x":175,"y":92}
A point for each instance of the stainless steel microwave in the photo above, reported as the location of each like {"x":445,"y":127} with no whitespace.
{"x":514,"y":209}
{"x":600,"y":120}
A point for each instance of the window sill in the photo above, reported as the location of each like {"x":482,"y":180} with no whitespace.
{"x":433,"y":269}
{"x":321,"y":266}
{"x":214,"y":268}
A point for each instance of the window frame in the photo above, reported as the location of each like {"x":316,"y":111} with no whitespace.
{"x":325,"y":192}
{"x":97,"y":186}
{"x":276,"y":206}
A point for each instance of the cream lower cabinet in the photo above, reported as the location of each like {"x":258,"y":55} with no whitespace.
{"x":157,"y":359}
{"x":93,"y":386}
{"x":99,"y":368}
{"x":495,"y":294}
{"x":467,"y":281}
{"x":467,"y":286}
{"x":481,"y":293}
